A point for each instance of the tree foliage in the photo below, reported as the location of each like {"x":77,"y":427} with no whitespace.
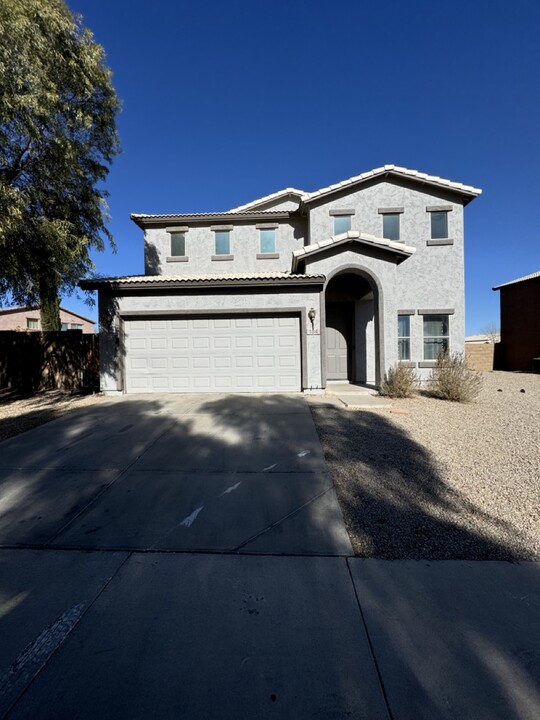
{"x":58,"y":136}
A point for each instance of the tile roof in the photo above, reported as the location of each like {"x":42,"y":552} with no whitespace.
{"x":139,"y":218}
{"x":364,"y":238}
{"x":249,"y":209}
{"x":273,"y":196}
{"x":398,"y":171}
{"x":214,"y":279}
{"x":521,"y":279}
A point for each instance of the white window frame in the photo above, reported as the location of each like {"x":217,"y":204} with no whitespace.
{"x":405,"y":337}
{"x":427,"y":316}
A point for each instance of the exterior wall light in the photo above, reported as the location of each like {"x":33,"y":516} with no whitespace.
{"x":311,"y":315}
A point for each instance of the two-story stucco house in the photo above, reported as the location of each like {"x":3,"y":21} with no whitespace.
{"x":291,"y":291}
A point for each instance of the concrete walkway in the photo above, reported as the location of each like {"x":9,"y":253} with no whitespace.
{"x":357,"y":397}
{"x":186,"y":557}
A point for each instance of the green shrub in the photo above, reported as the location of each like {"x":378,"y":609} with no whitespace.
{"x":399,"y":382}
{"x":451,"y":379}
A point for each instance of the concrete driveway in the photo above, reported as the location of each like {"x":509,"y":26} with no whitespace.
{"x":206,"y":473}
{"x":186,"y":557}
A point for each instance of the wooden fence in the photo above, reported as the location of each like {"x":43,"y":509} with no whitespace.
{"x":32,"y":361}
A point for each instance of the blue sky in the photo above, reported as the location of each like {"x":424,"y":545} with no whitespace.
{"x":224,"y":102}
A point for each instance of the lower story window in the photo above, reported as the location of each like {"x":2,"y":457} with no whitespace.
{"x":436,"y":336}
{"x":404,"y":337}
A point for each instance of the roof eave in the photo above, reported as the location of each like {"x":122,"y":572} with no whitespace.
{"x":467,"y":194}
{"x":144,"y":221}
{"x":350,"y":237}
{"x":168,"y":284}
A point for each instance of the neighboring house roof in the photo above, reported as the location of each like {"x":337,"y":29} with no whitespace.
{"x":479,"y":339}
{"x":7,"y":311}
{"x":532,"y":276}
{"x":279,"y":195}
{"x":144,"y":220}
{"x":352,"y":235}
{"x":261,"y":278}
{"x":468,"y":191}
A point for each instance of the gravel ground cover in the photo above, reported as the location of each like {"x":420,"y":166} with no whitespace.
{"x":20,"y":414}
{"x":442,"y":480}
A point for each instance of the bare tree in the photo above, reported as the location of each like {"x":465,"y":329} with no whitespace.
{"x":492,"y":331}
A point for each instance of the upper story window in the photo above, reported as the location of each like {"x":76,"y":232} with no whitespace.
{"x":439,"y":221}
{"x":76,"y":326}
{"x":439,"y":225}
{"x":342,"y":224}
{"x":342,"y":220}
{"x":64,"y":326}
{"x":391,"y":222}
{"x":404,"y":337}
{"x":32,"y":323}
{"x":222,"y":242}
{"x":391,"y":226}
{"x":178,"y":244}
{"x":436,"y":335}
{"x":267,"y":241}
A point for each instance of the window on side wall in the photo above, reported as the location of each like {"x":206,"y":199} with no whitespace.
{"x":178,"y":244}
{"x":342,"y":224}
{"x":64,"y":326}
{"x":436,"y":335}
{"x":439,"y":225}
{"x":404,"y":337}
{"x":390,"y":223}
{"x":267,"y":241}
{"x":222,"y":242}
{"x":76,"y":326}
{"x":31,"y":324}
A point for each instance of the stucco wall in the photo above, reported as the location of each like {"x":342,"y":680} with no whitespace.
{"x":433,"y":278}
{"x":112,"y":309}
{"x":244,"y":246}
{"x":381,"y":271}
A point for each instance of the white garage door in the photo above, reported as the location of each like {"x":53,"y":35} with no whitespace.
{"x":217,"y":354}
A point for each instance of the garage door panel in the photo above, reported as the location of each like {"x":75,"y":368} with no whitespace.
{"x":244,"y":354}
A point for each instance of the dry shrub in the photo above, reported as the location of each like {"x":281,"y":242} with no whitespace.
{"x":399,"y":382}
{"x":451,"y":379}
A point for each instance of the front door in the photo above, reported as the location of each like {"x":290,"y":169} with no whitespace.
{"x":339,"y":317}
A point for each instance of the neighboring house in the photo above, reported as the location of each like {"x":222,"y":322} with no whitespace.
{"x":520,"y":323}
{"x":27,"y":318}
{"x":482,"y":339}
{"x":292,"y":290}
{"x":480,"y":351}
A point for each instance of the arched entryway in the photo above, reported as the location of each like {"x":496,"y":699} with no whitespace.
{"x":352,"y":310}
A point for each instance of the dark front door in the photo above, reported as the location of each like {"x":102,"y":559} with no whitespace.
{"x":339,"y":317}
